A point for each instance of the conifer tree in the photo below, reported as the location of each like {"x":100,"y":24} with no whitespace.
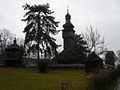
{"x":41,"y":25}
{"x":110,"y":58}
{"x":81,"y":44}
{"x":81,"y":47}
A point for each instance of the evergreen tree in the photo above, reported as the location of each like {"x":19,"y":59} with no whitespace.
{"x":81,"y":48}
{"x":81,"y":44}
{"x":40,"y":26}
{"x":110,"y":58}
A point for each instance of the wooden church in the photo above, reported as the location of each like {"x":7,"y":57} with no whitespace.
{"x":70,"y":54}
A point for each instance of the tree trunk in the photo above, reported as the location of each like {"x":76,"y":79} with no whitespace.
{"x":38,"y":38}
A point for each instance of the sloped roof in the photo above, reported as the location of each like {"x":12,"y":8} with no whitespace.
{"x":13,"y":46}
{"x":94,"y":57}
{"x":71,"y":54}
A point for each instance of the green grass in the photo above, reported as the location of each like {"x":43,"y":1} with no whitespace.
{"x":22,"y":79}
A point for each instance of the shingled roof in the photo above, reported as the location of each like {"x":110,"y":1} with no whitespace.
{"x":71,"y":55}
{"x":13,"y":46}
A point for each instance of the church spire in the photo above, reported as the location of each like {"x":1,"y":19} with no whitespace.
{"x":67,"y":9}
{"x":68,"y":33}
{"x":68,"y":23}
{"x":15,"y":41}
{"x":67,"y":17}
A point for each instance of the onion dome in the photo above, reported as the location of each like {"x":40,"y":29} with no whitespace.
{"x":68,"y":24}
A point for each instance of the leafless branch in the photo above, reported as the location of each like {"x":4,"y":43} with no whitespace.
{"x":95,"y":41}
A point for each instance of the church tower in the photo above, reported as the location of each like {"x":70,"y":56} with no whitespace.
{"x":68,"y":33}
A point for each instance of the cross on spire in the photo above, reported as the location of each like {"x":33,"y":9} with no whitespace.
{"x":15,"y":39}
{"x":67,"y":9}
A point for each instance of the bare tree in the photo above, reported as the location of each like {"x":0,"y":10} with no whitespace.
{"x":118,"y":54}
{"x":95,"y":41}
{"x":20,"y":41}
{"x":6,"y":38}
{"x":118,"y":57}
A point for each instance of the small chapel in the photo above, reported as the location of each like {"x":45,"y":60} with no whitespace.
{"x":13,"y":55}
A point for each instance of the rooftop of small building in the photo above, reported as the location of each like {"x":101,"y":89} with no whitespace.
{"x":13,"y":46}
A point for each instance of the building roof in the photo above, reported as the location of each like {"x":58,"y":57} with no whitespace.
{"x":13,"y":46}
{"x":93,"y":57}
{"x":71,"y":55}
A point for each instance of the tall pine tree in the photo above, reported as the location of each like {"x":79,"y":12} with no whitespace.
{"x":40,"y":26}
{"x":81,"y":48}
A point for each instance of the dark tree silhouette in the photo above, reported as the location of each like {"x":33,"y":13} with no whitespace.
{"x":81,"y":47}
{"x":110,"y":58}
{"x":81,"y":44}
{"x":40,"y":26}
{"x":96,"y":43}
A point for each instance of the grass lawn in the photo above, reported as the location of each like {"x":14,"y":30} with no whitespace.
{"x":25,"y":79}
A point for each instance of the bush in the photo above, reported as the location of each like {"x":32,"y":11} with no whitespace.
{"x":42,"y":67}
{"x":103,"y":80}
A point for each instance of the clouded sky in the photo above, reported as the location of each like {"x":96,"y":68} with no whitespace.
{"x":101,"y":14}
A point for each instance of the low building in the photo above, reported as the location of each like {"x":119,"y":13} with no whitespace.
{"x":94,"y":63}
{"x":13,"y":55}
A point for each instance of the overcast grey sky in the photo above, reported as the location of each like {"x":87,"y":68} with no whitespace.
{"x":101,"y":14}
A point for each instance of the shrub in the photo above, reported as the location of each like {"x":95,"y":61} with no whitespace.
{"x":42,"y":67}
{"x":103,"y":80}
